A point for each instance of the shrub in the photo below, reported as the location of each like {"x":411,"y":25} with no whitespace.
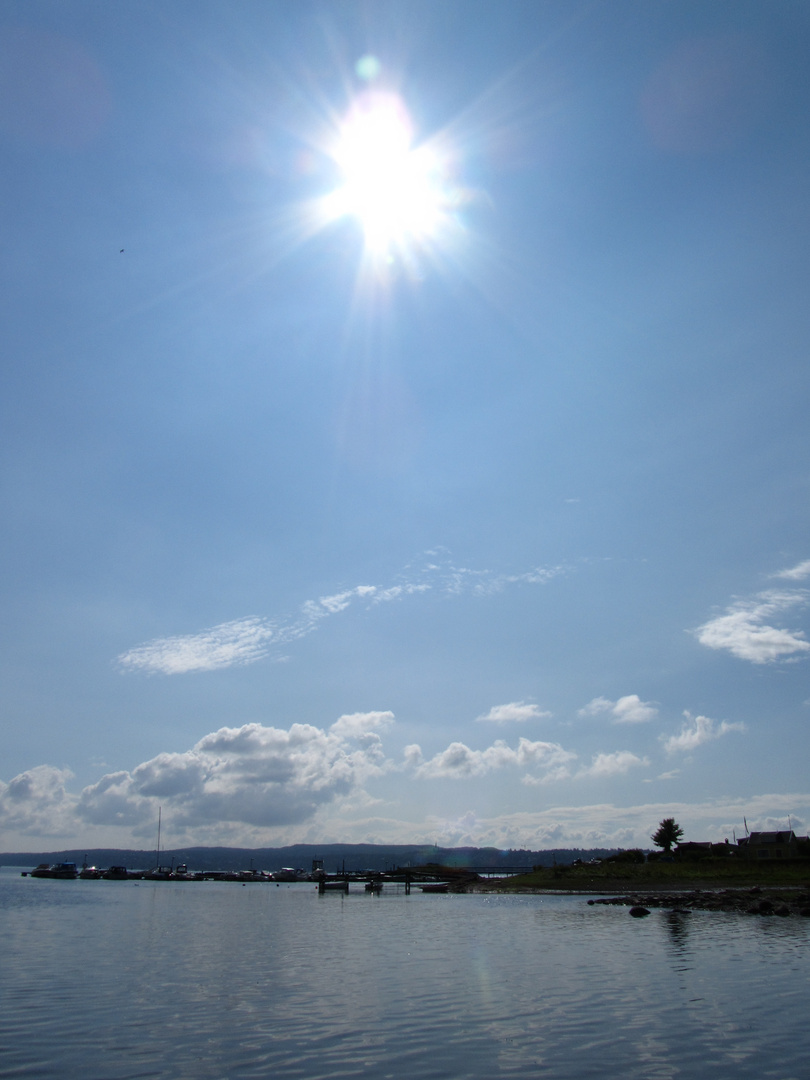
{"x":633,"y":855}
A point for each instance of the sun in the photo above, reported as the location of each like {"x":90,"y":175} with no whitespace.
{"x":395,"y":190}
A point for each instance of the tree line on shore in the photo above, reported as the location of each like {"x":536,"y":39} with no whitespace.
{"x":335,"y":856}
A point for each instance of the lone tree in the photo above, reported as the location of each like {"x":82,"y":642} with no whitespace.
{"x":667,"y":834}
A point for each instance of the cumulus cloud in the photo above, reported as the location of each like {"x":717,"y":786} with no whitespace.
{"x":795,"y":573}
{"x":37,"y":802}
{"x":253,"y":775}
{"x":38,"y":812}
{"x":627,"y":710}
{"x":745,"y":630}
{"x":459,"y":762}
{"x":514,"y":712}
{"x":361,"y":725}
{"x":246,"y":640}
{"x":615,"y":764}
{"x":696,"y":731}
{"x":545,"y":762}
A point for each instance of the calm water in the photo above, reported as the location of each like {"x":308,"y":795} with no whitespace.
{"x":219,"y":980}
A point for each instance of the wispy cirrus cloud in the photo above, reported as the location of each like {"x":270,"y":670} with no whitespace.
{"x":696,"y":731}
{"x":515,"y":712}
{"x":246,"y":640}
{"x":746,"y":630}
{"x":795,"y":573}
{"x":627,"y":710}
{"x":241,"y":641}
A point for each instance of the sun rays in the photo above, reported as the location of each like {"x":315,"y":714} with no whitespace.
{"x":398,"y":192}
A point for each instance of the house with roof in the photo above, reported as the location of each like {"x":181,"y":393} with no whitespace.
{"x":782,"y":844}
{"x":704,"y":849}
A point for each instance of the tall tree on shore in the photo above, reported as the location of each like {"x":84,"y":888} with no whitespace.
{"x":667,"y":834}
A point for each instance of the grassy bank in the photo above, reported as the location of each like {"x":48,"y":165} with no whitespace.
{"x":619,"y":876}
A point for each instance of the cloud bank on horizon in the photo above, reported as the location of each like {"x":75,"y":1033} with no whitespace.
{"x":270,"y":783}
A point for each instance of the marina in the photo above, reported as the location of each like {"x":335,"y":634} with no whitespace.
{"x":425,"y":878}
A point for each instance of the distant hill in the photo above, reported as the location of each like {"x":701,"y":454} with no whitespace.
{"x":335,"y":857}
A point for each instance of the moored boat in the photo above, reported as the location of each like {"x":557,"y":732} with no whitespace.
{"x":55,"y":870}
{"x":333,"y":886}
{"x":160,"y":873}
{"x":289,"y":873}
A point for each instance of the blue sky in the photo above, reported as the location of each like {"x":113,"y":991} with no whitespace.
{"x":403,"y":421}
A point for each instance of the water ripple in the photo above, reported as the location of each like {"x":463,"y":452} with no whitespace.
{"x":208,"y":981}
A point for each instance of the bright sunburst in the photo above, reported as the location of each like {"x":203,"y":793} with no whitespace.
{"x":396,"y":191}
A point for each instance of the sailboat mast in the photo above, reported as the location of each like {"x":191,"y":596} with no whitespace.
{"x":157,"y":853}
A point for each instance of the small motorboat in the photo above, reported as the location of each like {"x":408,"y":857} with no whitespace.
{"x":160,"y":873}
{"x":290,"y":873}
{"x":56,"y":870}
{"x":435,"y":886}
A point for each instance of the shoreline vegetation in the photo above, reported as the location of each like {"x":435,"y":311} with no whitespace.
{"x":633,"y":878}
{"x":618,"y":877}
{"x":659,"y":875}
{"x":680,"y":886}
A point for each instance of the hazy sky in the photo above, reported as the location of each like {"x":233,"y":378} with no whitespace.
{"x":404,"y":421}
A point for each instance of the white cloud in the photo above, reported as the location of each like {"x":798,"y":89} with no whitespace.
{"x":459,"y":762}
{"x":361,"y":724}
{"x":608,"y":825}
{"x":745,"y":632}
{"x":246,"y":640}
{"x":615,"y":764}
{"x":559,"y":772}
{"x":253,"y":776}
{"x":413,"y":755}
{"x":514,"y":712}
{"x":37,"y":811}
{"x":795,"y":573}
{"x":340,"y":601}
{"x":696,"y":731}
{"x":596,"y":706}
{"x":239,"y":642}
{"x":627,"y":710}
{"x":37,"y":803}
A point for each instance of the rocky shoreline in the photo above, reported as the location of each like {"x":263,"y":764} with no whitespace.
{"x":753,"y":901}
